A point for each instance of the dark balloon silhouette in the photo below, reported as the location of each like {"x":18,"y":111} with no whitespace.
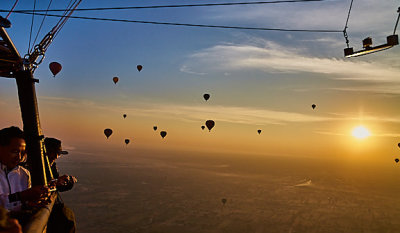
{"x":139,"y":67}
{"x":124,"y":115}
{"x":155,"y":128}
{"x":115,"y":80}
{"x":398,"y":145}
{"x":223,"y":200}
{"x":163,"y":134}
{"x":210,"y":124}
{"x":203,"y":127}
{"x":396,"y":160}
{"x":313,"y":106}
{"x":259,"y":131}
{"x":108,"y":132}
{"x":127,"y":141}
{"x":55,"y":67}
{"x":206,"y":96}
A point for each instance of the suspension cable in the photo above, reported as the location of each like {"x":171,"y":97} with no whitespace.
{"x":44,"y":17}
{"x":346,"y":37}
{"x":12,"y":8}
{"x":397,"y":21}
{"x":195,"y":25}
{"x":180,"y":5}
{"x":33,"y":17}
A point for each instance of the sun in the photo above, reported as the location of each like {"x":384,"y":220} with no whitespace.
{"x":360,"y":132}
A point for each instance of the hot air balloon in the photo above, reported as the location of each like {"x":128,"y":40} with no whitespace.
{"x":203,"y":127}
{"x":313,"y":106}
{"x":259,"y":131}
{"x":55,"y":67}
{"x":223,"y":200}
{"x":127,"y":141}
{"x":115,"y":80}
{"x":163,"y":134}
{"x":398,"y":145}
{"x":139,"y":67}
{"x":155,"y":128}
{"x":124,"y":115}
{"x":206,"y":96}
{"x":396,"y":160}
{"x":108,"y":132}
{"x":210,"y":124}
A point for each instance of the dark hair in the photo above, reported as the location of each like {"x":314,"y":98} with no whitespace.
{"x":9,"y":133}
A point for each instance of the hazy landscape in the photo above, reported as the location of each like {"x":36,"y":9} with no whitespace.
{"x":149,"y":192}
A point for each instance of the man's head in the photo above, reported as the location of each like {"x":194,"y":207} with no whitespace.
{"x":12,"y":146}
{"x":53,"y":148}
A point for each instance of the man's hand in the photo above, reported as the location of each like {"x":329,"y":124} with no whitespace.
{"x":65,"y":179}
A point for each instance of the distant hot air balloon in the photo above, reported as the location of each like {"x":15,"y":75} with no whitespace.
{"x":127,"y":141}
{"x":223,"y":200}
{"x":210,"y":124}
{"x":398,"y":145}
{"x":108,"y":132}
{"x":155,"y":128}
{"x":206,"y":96}
{"x":55,"y":67}
{"x":396,"y":160}
{"x":115,"y":80}
{"x":124,"y":115}
{"x":139,"y":67}
{"x":259,"y":131}
{"x":163,"y":134}
{"x":313,"y":106}
{"x":203,"y":127}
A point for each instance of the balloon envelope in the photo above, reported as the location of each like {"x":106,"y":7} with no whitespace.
{"x":203,"y":127}
{"x":139,"y":67}
{"x":163,"y":134}
{"x":223,"y":200}
{"x":206,"y":96}
{"x":396,"y":160}
{"x":108,"y":132}
{"x":259,"y":131}
{"x":55,"y":67}
{"x":115,"y":80}
{"x":124,"y":115}
{"x":127,"y":141}
{"x":398,"y":145}
{"x":155,"y":128}
{"x":313,"y":106}
{"x":210,"y":124}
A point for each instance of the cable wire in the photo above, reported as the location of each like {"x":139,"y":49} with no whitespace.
{"x":346,"y":37}
{"x":397,"y":21}
{"x":177,"y":6}
{"x":33,"y":17}
{"x":12,"y":8}
{"x":41,"y":24}
{"x":195,"y":25}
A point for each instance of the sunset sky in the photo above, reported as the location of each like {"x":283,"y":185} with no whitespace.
{"x":264,"y":80}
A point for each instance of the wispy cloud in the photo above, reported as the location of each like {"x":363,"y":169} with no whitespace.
{"x":274,"y":58}
{"x":185,"y":69}
{"x":229,"y":114}
{"x":312,"y":15}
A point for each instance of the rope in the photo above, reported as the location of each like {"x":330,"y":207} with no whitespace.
{"x":177,"y":6}
{"x":397,"y":21}
{"x":195,"y":25}
{"x":33,"y":17}
{"x":345,"y":27}
{"x":37,"y":34}
{"x":9,"y":13}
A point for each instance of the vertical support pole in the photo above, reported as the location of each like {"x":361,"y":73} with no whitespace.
{"x":32,"y":130}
